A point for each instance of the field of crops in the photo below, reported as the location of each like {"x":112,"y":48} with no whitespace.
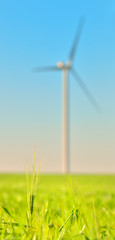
{"x":57,"y":207}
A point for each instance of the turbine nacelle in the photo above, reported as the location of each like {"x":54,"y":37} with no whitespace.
{"x":69,"y":64}
{"x":61,"y":65}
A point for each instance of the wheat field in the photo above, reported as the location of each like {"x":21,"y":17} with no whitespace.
{"x":57,"y":207}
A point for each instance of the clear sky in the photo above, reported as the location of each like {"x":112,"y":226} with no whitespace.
{"x":35,"y":33}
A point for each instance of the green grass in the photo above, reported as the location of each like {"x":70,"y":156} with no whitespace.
{"x":63,"y":207}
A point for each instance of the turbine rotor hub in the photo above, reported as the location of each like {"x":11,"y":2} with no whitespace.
{"x":60,"y":65}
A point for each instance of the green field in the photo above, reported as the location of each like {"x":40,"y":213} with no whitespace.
{"x":63,"y":207}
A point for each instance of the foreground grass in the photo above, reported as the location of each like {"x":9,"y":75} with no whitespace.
{"x":64,"y":207}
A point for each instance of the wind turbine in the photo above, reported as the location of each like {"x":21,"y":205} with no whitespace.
{"x":66,"y":68}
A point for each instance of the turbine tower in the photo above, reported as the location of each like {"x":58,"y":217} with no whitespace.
{"x":66,"y":68}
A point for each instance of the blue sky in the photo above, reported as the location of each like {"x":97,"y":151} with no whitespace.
{"x":36,"y":33}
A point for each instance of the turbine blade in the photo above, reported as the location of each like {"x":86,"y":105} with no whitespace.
{"x":86,"y":90}
{"x":46,"y":69}
{"x":76,"y":40}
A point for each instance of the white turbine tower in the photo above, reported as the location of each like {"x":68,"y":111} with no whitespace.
{"x":66,"y":68}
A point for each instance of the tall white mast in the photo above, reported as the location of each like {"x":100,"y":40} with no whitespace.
{"x":65,"y":123}
{"x":66,"y":68}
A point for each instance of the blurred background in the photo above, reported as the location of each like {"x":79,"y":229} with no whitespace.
{"x":36,"y":33}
